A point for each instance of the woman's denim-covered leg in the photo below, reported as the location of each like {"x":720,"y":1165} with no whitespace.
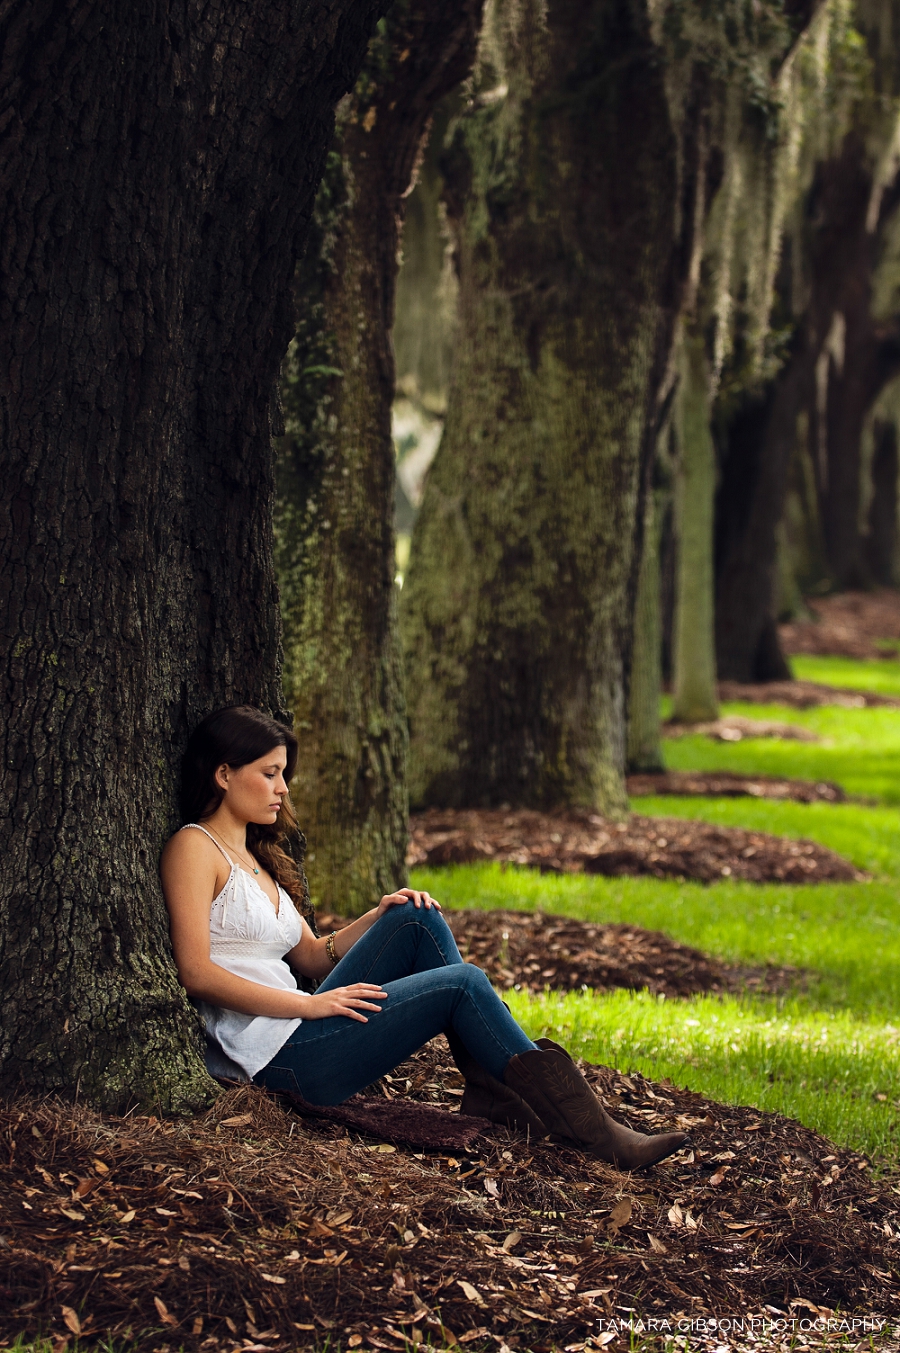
{"x":413,"y":956}
{"x":405,"y":940}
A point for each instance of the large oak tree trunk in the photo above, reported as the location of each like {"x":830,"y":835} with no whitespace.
{"x":758,"y":446}
{"x":159,"y":165}
{"x":336,"y":468}
{"x":694,"y":651}
{"x":570,"y":226}
{"x":842,"y":357}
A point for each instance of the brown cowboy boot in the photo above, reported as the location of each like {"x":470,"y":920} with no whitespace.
{"x":553,"y":1087}
{"x":486,"y":1097}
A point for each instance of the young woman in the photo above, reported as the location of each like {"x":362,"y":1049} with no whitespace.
{"x":388,"y":983}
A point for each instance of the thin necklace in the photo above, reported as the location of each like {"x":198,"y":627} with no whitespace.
{"x":231,"y":847}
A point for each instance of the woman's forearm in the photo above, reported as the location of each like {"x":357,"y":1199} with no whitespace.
{"x":315,"y":962}
{"x":216,"y":986}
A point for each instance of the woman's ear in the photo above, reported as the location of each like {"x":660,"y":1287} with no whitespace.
{"x":222,"y":775}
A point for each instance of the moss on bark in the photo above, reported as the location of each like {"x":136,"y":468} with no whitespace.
{"x":695,"y":658}
{"x":570,"y":183}
{"x":334,"y":519}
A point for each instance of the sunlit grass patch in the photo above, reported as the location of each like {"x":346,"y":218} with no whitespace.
{"x":880,"y":676}
{"x":867,"y":835}
{"x":846,"y":936}
{"x":835,"y":1073}
{"x":860,"y":749}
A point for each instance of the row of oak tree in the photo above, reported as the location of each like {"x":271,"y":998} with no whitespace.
{"x":674,"y":234}
{"x":672,"y":225}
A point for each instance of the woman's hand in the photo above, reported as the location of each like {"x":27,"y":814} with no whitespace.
{"x":402,"y":895}
{"x":347,"y":1001}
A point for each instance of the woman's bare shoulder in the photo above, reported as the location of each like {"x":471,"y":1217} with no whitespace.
{"x":191,"y":848}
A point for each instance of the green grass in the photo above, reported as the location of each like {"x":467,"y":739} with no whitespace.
{"x":820,"y":1055}
{"x":860,"y":749}
{"x":825,"y":1052}
{"x":823,"y":1068}
{"x":881,"y":676}
{"x":869,"y":836}
{"x":846,"y":935}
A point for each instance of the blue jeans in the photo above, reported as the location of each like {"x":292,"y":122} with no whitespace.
{"x":412,"y":954}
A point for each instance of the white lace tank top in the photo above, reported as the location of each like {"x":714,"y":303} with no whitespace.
{"x":248,"y":938}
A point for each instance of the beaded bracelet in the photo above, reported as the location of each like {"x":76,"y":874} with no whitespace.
{"x":329,"y":949}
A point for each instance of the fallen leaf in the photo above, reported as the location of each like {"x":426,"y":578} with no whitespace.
{"x":100,"y":1166}
{"x":621,"y":1214}
{"x":718,"y":1177}
{"x":163,"y":1312}
{"x":126,"y":1217}
{"x":490,"y":1186}
{"x":676,"y":1216}
{"x":85,"y":1186}
{"x":242,"y":1120}
{"x":165,"y":1212}
{"x":71,"y":1321}
{"x":471,"y":1335}
{"x":273,"y":1278}
{"x":354,"y":1341}
{"x":511,"y":1241}
{"x":471,"y":1293}
{"x":73,"y":1216}
{"x":197,"y":1327}
{"x":656,"y":1244}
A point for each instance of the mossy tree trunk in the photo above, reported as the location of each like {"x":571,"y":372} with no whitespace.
{"x":571,"y":228}
{"x":694,"y":648}
{"x":842,"y":356}
{"x":644,"y":749}
{"x":334,"y":521}
{"x":758,"y":446}
{"x":158,"y":173}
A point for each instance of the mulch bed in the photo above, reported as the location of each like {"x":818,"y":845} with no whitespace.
{"x":850,"y":624}
{"x":249,"y":1229}
{"x":531,"y":951}
{"x":732,"y":784}
{"x":736,"y":727}
{"x":576,"y":840}
{"x":804,"y":695}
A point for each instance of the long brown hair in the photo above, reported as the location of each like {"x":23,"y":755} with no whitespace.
{"x":234,"y":737}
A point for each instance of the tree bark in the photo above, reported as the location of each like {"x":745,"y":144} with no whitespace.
{"x":882,"y":557}
{"x":336,"y":466}
{"x":757,"y":451}
{"x":842,"y":357}
{"x":694,"y":657}
{"x":517,"y":606}
{"x":644,"y":749}
{"x":159,"y":166}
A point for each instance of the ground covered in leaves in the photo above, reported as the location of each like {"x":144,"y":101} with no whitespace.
{"x":736,"y":727}
{"x":577,"y":840}
{"x":803,"y":695}
{"x":851,"y":624}
{"x":250,"y":1229}
{"x":732,"y":784}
